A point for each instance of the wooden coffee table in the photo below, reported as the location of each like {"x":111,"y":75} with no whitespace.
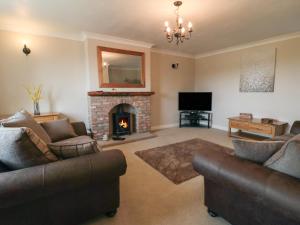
{"x":255,"y":126}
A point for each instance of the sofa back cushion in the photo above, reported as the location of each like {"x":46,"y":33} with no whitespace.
{"x":256,"y":151}
{"x":24,"y":119}
{"x":59,"y":130}
{"x":287,"y":159}
{"x":21,"y":148}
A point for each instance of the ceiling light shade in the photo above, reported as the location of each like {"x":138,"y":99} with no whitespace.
{"x":179,"y":32}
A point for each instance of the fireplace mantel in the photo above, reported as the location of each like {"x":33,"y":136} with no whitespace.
{"x":107,"y":93}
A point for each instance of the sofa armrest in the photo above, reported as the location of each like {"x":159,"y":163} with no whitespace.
{"x":20,"y":186}
{"x":79,"y":128}
{"x":269,"y":187}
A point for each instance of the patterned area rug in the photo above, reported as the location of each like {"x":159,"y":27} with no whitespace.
{"x":175,"y":161}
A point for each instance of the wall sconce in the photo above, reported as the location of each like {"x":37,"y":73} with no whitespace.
{"x":175,"y":66}
{"x":26,"y":50}
{"x":105,"y":65}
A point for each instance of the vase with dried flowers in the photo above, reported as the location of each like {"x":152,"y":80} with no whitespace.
{"x":35,"y":95}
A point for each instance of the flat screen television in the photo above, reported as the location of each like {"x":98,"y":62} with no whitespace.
{"x":194,"y":101}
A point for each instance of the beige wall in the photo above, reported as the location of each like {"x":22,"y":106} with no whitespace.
{"x":92,"y":66}
{"x":221,"y":75}
{"x":166,"y":83}
{"x":68,"y":69}
{"x":57,"y":64}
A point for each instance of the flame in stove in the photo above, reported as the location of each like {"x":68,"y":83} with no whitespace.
{"x":123,"y":124}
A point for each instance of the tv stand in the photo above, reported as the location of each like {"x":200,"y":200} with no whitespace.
{"x":195,"y":119}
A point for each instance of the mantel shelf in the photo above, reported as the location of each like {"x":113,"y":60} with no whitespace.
{"x":106,"y":93}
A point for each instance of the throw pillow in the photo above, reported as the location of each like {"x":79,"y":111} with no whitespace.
{"x":24,"y":119}
{"x":59,"y":130}
{"x":21,"y":147}
{"x":287,"y":159}
{"x":256,"y":151}
{"x":74,"y":147}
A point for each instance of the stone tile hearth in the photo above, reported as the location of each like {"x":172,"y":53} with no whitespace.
{"x":101,"y":104}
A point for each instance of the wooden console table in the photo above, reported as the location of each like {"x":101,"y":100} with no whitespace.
{"x":46,"y":117}
{"x":255,"y":126}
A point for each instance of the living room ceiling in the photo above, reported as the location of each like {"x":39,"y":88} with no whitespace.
{"x":217,"y":24}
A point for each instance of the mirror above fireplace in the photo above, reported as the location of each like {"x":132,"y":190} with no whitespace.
{"x":119,"y":68}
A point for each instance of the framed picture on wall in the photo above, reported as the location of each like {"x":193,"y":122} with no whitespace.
{"x":258,"y":70}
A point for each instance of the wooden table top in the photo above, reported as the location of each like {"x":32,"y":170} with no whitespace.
{"x":46,"y":114}
{"x":257,"y":120}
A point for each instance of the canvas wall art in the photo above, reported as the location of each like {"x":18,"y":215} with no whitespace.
{"x":258,"y":70}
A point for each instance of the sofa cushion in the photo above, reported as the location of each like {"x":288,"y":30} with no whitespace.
{"x":21,"y":147}
{"x":74,"y":147}
{"x":24,"y":119}
{"x":59,"y":130}
{"x":256,"y":151}
{"x":287,"y":159}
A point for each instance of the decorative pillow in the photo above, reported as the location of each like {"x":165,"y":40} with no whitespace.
{"x":256,"y":151}
{"x":74,"y":147}
{"x":287,"y":159}
{"x":21,"y":147}
{"x":59,"y":130}
{"x":24,"y":119}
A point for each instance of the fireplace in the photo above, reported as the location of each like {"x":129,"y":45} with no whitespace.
{"x":135,"y":107}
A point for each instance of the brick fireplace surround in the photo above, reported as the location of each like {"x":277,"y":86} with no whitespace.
{"x":101,"y":103}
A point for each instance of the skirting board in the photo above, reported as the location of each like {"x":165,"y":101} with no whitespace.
{"x":220,"y":127}
{"x":160,"y":127}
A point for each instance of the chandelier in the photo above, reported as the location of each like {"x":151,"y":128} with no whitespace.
{"x":180,"y":33}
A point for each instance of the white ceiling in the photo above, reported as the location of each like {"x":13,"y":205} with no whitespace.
{"x":218,"y":24}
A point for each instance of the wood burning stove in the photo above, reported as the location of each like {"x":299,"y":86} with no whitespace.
{"x":121,"y":123}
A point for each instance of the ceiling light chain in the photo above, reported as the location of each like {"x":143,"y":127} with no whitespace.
{"x":179,"y":32}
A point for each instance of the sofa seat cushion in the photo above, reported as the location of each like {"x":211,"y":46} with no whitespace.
{"x":287,"y":159}
{"x":21,"y":148}
{"x":256,"y":151}
{"x":74,"y":147}
{"x":24,"y":119}
{"x":59,"y":130}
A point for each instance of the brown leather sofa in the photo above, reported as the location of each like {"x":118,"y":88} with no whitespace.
{"x":65,"y":192}
{"x":245,"y":193}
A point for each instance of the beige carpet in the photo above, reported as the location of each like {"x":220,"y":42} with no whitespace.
{"x":149,"y":198}
{"x":175,"y":161}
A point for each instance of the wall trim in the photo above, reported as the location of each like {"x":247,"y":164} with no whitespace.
{"x":160,"y":127}
{"x":86,"y":35}
{"x":73,"y":37}
{"x":173,"y":53}
{"x":114,"y":39}
{"x":219,"y":127}
{"x":250,"y":45}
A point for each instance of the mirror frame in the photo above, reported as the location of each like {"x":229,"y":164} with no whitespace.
{"x":101,"y":49}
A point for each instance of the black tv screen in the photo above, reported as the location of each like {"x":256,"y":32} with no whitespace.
{"x":200,"y":101}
